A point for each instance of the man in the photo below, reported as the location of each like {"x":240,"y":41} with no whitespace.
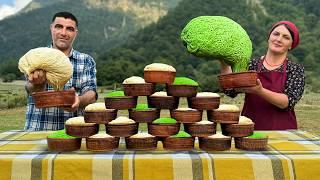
{"x":64,"y":30}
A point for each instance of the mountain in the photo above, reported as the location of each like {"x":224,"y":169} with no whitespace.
{"x":102,"y":23}
{"x":161,"y":42}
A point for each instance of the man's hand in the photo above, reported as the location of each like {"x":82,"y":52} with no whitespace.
{"x":75,"y":106}
{"x":36,"y":81}
{"x":37,"y":77}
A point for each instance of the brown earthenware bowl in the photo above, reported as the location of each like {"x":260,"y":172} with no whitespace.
{"x":121,"y":102}
{"x":102,"y":144}
{"x":138,"y":144}
{"x":203,"y":103}
{"x":47,"y":99}
{"x":200,"y":130}
{"x":160,"y":77}
{"x":145,"y":89}
{"x":182,"y":90}
{"x":100,"y":117}
{"x":144,"y":116}
{"x":122,"y":130}
{"x":82,"y":131}
{"x":61,"y":144}
{"x":251,"y":144}
{"x":163,"y":102}
{"x":186,"y":116}
{"x":238,"y":80}
{"x":163,"y":130}
{"x":223,"y":117}
{"x":178,"y":144}
{"x":214,"y":144}
{"x":237,"y":130}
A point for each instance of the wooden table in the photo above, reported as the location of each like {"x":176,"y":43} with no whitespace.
{"x":290,"y":155}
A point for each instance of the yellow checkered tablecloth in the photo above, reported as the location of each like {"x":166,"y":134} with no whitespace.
{"x":290,"y":155}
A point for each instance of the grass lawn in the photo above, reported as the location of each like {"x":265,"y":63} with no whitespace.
{"x":12,"y":118}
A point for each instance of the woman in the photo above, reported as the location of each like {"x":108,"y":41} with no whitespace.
{"x":280,"y":85}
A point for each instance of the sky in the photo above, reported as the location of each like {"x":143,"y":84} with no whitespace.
{"x":9,"y":7}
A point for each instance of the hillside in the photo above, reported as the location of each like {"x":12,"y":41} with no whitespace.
{"x":102,"y":23}
{"x":161,"y":42}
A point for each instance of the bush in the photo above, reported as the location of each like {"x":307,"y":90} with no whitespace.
{"x":9,"y":77}
{"x":13,"y":101}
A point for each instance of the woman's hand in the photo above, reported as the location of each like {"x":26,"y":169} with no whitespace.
{"x":278,"y":99}
{"x":257,"y":89}
{"x":225,"y":68}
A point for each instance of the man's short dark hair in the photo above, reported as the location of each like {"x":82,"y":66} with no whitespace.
{"x":66,"y":15}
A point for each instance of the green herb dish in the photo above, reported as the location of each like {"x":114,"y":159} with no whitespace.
{"x":60,"y":134}
{"x":181,"y":134}
{"x":115,"y":94}
{"x":218,"y":37}
{"x":257,"y":135}
{"x":184,"y":81}
{"x":165,"y":120}
{"x":141,"y":107}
